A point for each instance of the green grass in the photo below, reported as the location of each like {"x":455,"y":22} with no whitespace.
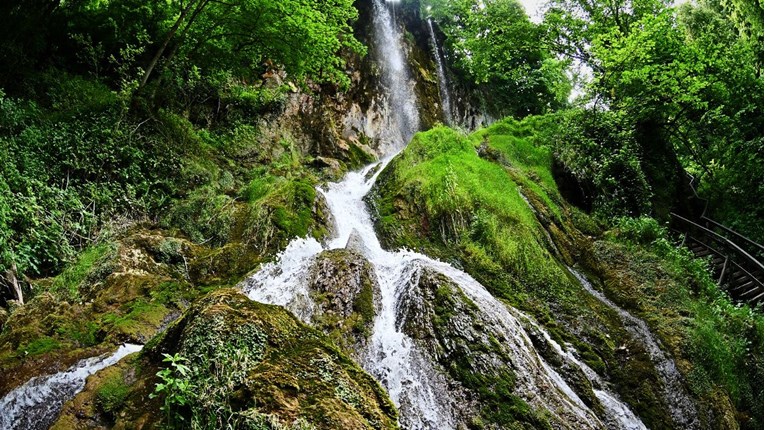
{"x":472,"y":202}
{"x":39,"y":346}
{"x":68,"y":282}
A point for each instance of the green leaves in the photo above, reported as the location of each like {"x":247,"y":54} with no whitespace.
{"x":175,"y":386}
{"x":497,"y":47}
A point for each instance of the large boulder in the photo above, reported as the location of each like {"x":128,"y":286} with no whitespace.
{"x":345,"y":289}
{"x":250,"y":365}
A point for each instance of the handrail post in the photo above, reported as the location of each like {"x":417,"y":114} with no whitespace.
{"x":722,"y":272}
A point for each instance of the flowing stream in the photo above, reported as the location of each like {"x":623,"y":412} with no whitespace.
{"x":443,"y":84}
{"x":675,"y":394}
{"x":36,"y":404}
{"x":413,"y":379}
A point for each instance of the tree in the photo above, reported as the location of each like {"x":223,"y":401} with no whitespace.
{"x":691,"y":85}
{"x":305,"y":37}
{"x":496,"y":45}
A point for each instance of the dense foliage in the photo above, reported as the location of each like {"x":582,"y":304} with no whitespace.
{"x":690,"y":85}
{"x":124,"y":110}
{"x":494,"y":44}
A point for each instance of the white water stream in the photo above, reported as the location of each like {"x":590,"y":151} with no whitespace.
{"x":408,"y":373}
{"x":443,"y":83}
{"x":415,"y":382}
{"x":36,"y":404}
{"x":401,"y":114}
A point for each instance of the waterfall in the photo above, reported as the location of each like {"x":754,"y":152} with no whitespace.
{"x":36,"y":404}
{"x":443,"y":84}
{"x":411,"y":377}
{"x":415,"y":382}
{"x":403,"y":119}
{"x":675,"y":394}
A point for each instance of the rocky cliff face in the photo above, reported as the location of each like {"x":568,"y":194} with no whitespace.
{"x":353,"y":126}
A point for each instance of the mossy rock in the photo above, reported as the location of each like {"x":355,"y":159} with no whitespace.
{"x":105,"y":395}
{"x":126,"y":290}
{"x":273,"y":365}
{"x":344,"y":287}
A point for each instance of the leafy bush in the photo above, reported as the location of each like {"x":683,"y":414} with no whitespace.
{"x":62,"y":179}
{"x":599,"y":149}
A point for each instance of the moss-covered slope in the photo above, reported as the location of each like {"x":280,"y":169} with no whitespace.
{"x":488,"y":203}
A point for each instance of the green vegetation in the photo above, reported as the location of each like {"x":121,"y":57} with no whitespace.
{"x":39,"y":346}
{"x":435,"y":197}
{"x":152,"y":153}
{"x":441,"y":176}
{"x":149,"y":111}
{"x":237,"y":363}
{"x":688,"y":85}
{"x":113,"y":392}
{"x":723,"y":341}
{"x":495,"y":45}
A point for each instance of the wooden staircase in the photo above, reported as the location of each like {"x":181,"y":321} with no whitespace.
{"x":736,"y":261}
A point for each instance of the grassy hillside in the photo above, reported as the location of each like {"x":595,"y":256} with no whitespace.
{"x":488,"y":202}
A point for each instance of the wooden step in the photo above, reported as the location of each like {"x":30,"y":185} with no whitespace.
{"x":738,"y":277}
{"x":757,"y":299}
{"x":741,"y":287}
{"x":702,"y":253}
{"x":751,"y":293}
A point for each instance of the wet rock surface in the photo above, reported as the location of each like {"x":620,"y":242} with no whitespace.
{"x":345,"y":290}
{"x":249,"y":363}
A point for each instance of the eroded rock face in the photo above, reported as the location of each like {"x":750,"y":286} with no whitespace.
{"x":480,"y":366}
{"x":346,"y":293}
{"x":250,"y":364}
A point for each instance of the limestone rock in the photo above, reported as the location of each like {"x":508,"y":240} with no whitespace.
{"x":356,"y":243}
{"x":346,"y":293}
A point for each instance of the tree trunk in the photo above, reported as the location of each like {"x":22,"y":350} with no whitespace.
{"x":166,"y":42}
{"x":13,"y":281}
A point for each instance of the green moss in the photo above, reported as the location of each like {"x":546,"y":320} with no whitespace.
{"x":465,"y":200}
{"x":68,"y":283}
{"x":364,"y":306}
{"x":84,"y":333}
{"x":258,"y":187}
{"x":39,"y":346}
{"x":112,"y":393}
{"x":141,"y":319}
{"x":358,"y":157}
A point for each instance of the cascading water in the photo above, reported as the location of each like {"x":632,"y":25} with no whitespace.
{"x":443,"y":84}
{"x":675,"y":394}
{"x":413,"y":379}
{"x":36,"y":404}
{"x":403,"y":119}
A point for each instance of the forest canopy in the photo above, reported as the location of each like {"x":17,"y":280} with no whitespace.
{"x":96,"y":94}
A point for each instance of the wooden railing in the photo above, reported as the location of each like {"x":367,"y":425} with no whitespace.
{"x":737,"y":271}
